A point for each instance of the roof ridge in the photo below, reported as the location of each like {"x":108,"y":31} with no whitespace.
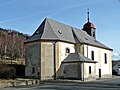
{"x":80,"y":57}
{"x":51,"y":27}
{"x":75,"y":34}
{"x":59,"y":22}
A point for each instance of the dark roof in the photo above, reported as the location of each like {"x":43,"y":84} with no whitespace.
{"x":77,"y":57}
{"x":53,"y":30}
{"x":114,"y":62}
{"x":83,"y":37}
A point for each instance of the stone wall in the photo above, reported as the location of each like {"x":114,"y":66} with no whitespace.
{"x":32,"y":66}
{"x":12,"y":83}
{"x":47,"y":60}
{"x":70,"y":70}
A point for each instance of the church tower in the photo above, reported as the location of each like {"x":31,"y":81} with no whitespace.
{"x":89,"y":27}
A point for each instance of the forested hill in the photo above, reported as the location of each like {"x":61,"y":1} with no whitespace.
{"x":12,"y":44}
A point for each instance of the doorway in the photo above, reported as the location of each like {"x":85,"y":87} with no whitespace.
{"x":99,"y":73}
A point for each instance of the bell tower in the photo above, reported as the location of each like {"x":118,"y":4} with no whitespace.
{"x":89,"y":27}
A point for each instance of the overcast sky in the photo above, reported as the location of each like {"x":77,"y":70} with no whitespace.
{"x":26,"y":15}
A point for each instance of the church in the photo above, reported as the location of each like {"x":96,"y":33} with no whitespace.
{"x":59,"y":51}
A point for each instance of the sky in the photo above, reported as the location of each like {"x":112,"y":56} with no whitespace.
{"x":26,"y":15}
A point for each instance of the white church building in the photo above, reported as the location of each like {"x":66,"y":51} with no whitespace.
{"x":57,"y":50}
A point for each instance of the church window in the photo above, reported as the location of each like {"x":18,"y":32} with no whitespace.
{"x":89,"y":69}
{"x":92,"y":55}
{"x":67,"y":50}
{"x":93,"y":34}
{"x":33,"y":70}
{"x":105,"y":57}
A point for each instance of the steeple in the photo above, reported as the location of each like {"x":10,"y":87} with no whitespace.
{"x":89,"y":27}
{"x":88,"y":15}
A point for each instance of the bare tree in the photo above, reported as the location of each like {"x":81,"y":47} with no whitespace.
{"x":12,"y":44}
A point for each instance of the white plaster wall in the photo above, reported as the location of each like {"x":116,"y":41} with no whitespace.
{"x":62,"y":50}
{"x":89,"y":49}
{"x":105,"y":68}
{"x":95,"y":49}
{"x":99,"y":57}
{"x":86,"y":71}
{"x":85,"y":50}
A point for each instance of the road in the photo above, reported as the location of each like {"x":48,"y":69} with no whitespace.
{"x":109,"y":84}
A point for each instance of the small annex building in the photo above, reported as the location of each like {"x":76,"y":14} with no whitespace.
{"x":116,"y":67}
{"x":57,"y":50}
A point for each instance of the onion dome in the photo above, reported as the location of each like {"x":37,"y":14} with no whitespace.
{"x":88,"y":25}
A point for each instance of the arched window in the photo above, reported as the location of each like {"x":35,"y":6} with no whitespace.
{"x":105,"y":57}
{"x":67,"y":50}
{"x":92,"y":55}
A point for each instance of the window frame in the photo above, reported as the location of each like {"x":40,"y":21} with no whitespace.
{"x":105,"y":58}
{"x":67,"y":50}
{"x":92,"y":55}
{"x":90,"y":70}
{"x":33,"y":70}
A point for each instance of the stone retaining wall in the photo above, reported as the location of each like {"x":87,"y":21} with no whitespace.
{"x":12,"y":83}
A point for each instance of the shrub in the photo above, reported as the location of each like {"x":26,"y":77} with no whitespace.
{"x":7,"y":72}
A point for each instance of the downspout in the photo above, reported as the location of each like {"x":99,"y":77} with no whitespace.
{"x":87,"y":51}
{"x":83,"y":63}
{"x":83,"y":71}
{"x":54,"y":48}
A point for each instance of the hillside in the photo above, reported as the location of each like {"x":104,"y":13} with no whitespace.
{"x":12,"y":44}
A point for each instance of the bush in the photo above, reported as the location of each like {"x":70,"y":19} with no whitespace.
{"x":7,"y":72}
{"x":114,"y":72}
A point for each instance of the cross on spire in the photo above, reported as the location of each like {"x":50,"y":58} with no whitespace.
{"x":88,"y":14}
